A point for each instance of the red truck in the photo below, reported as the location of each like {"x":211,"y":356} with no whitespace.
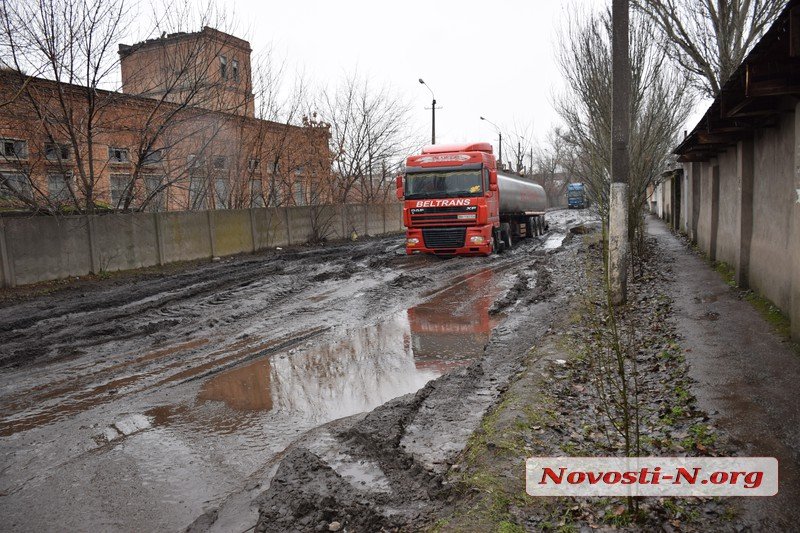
{"x":458,"y":203}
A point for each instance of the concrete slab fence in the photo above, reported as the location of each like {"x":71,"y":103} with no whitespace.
{"x":46,"y":248}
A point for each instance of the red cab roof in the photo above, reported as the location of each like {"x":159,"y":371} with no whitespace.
{"x":451,"y":148}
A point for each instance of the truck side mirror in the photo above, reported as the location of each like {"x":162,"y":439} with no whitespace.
{"x":493,"y":181}
{"x":399,"y":187}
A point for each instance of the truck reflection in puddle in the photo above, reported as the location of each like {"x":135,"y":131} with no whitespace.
{"x":452,"y":328}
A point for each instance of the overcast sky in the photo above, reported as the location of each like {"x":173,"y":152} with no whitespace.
{"x":495,"y":59}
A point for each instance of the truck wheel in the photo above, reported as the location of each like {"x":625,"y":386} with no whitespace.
{"x":540,"y":224}
{"x":496,"y":241}
{"x":530,"y":228}
{"x":505,"y":234}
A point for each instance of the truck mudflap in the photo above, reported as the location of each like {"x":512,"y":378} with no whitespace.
{"x":450,"y":240}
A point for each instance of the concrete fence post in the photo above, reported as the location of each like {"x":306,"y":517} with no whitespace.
{"x":794,"y":235}
{"x":697,"y":173}
{"x":714,"y":226}
{"x":253,"y":229}
{"x":159,"y":239}
{"x":744,"y":164}
{"x":212,"y":233}
{"x":94,"y":253}
{"x":7,"y":270}
{"x":288,"y":225}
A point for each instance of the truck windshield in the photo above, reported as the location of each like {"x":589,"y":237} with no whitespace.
{"x":452,"y":183}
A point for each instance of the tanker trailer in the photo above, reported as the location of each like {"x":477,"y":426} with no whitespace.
{"x":522,"y":207}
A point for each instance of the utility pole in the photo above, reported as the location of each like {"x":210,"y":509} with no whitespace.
{"x":433,"y":112}
{"x":500,"y":135}
{"x":618,"y":246}
{"x":531,"y":168}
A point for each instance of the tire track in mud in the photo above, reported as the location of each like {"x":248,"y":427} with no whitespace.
{"x":85,"y":393}
{"x":30,"y":332}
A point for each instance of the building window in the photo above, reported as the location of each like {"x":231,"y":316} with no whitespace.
{"x":299,"y":194}
{"x":57,"y":152}
{"x":220,"y":162}
{"x":223,"y":67}
{"x":154,"y":157}
{"x":197,"y":193}
{"x":120,"y":189}
{"x":154,"y":186}
{"x":312,"y":192}
{"x":253,"y":164}
{"x":221,"y":193}
{"x":118,"y":155}
{"x":13,"y":149}
{"x":275,"y":197}
{"x":58,"y":187}
{"x":15,"y":186}
{"x":256,"y":193}
{"x":235,"y":69}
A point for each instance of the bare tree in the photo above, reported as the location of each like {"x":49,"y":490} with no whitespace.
{"x":552,"y":164}
{"x":710,"y":38}
{"x":659,"y":106}
{"x":71,"y":42}
{"x":518,"y":143}
{"x":84,"y":127}
{"x":369,"y":129}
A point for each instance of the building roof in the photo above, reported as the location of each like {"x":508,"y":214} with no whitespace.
{"x":755,"y":94}
{"x":14,"y":78}
{"x":207,"y":31}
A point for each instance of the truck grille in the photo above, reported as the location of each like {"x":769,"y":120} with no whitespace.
{"x":444,"y":237}
{"x":437,"y":216}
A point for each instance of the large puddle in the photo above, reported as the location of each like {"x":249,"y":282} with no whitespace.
{"x":364,"y":369}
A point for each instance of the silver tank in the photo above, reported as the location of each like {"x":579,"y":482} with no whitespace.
{"x":518,"y":195}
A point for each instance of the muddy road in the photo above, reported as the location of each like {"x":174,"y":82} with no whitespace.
{"x":141,"y":405}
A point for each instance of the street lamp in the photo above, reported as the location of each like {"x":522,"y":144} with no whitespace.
{"x":500,"y":133}
{"x":433,"y":112}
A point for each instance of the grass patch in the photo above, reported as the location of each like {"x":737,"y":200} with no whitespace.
{"x":727,"y":272}
{"x":777,"y":318}
{"x":509,"y":527}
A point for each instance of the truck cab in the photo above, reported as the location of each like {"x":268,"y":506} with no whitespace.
{"x":576,"y":196}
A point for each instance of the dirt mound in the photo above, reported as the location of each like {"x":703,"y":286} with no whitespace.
{"x":310,"y":495}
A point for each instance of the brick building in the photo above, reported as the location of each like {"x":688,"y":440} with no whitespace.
{"x":182,"y":134}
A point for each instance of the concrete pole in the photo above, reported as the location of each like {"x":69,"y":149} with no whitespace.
{"x":618,"y":246}
{"x":433,"y":121}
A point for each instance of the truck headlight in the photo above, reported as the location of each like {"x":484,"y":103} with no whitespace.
{"x":412,"y":241}
{"x":477,"y":239}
